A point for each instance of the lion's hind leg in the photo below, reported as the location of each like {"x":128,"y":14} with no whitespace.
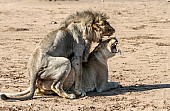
{"x":57,"y":72}
{"x":57,"y":85}
{"x":41,"y":87}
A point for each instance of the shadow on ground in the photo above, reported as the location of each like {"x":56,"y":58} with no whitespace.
{"x":133,"y":88}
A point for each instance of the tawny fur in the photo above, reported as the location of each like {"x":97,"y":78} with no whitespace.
{"x":63,"y":49}
{"x":95,"y":71}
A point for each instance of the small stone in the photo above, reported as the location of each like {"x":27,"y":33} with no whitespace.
{"x":29,"y":104}
{"x":53,"y":22}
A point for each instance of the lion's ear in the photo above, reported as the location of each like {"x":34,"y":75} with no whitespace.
{"x":108,"y":40}
{"x":97,"y":19}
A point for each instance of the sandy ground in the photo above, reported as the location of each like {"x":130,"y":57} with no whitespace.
{"x":143,"y":30}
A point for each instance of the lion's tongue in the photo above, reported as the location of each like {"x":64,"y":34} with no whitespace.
{"x":114,"y":49}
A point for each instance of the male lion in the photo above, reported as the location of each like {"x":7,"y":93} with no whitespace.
{"x":70,"y":43}
{"x":95,"y":70}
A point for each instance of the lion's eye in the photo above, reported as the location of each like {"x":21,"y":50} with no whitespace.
{"x":98,"y":24}
{"x":103,"y":23}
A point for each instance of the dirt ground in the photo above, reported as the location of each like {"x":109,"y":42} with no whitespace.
{"x":143,"y":30}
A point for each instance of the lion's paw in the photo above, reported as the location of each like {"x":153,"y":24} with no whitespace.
{"x":80,"y":93}
{"x":71,"y":96}
{"x":116,"y":84}
{"x":83,"y":94}
{"x":3,"y":97}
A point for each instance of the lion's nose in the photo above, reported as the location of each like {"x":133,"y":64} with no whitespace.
{"x":111,"y":31}
{"x":116,"y":40}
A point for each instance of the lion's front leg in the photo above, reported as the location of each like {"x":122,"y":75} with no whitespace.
{"x":107,"y":86}
{"x":77,"y":65}
{"x":87,"y":50}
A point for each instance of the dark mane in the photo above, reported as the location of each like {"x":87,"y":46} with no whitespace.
{"x":83,"y":17}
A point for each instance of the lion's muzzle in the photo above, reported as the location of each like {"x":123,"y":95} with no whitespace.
{"x":114,"y":46}
{"x":111,"y":31}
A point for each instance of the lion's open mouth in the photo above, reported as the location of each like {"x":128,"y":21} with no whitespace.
{"x":114,"y":48}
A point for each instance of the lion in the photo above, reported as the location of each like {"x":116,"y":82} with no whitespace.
{"x":63,"y":49}
{"x":95,"y":71}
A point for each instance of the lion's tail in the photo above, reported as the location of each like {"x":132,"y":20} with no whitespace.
{"x":18,"y":93}
{"x":31,"y":89}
